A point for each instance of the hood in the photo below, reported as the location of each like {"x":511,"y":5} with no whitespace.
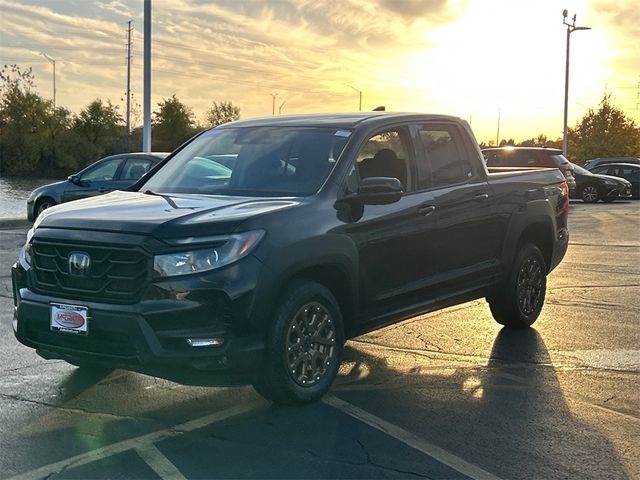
{"x":612,"y":178}
{"x":163,"y":216}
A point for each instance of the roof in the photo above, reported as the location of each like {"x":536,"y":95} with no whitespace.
{"x":618,"y":164}
{"x":509,"y":148}
{"x":335,"y":120}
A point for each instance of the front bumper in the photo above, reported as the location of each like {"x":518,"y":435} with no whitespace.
{"x":621,"y":191}
{"x":150,"y":336}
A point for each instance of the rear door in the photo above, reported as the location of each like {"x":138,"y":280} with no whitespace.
{"x":469,"y":236}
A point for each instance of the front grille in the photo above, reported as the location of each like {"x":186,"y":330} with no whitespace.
{"x":115,"y":274}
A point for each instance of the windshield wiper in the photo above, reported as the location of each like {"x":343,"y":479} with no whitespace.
{"x":168,"y":199}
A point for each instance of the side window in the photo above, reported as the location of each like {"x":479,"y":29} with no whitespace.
{"x":446,"y":156}
{"x":135,"y":168}
{"x":386,"y":154}
{"x":103,"y":172}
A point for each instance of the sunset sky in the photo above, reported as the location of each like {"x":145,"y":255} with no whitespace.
{"x":461,"y":57}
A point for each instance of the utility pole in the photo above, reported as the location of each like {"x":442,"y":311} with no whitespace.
{"x":53,"y":62}
{"x":129,"y":77}
{"x":498,"y":129}
{"x":360,"y":96}
{"x":146,"y":129}
{"x":273,"y":103}
{"x":571,"y":27}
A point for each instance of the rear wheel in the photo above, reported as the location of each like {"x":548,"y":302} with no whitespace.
{"x":519,"y":302}
{"x":304,"y":346}
{"x":590,"y":194}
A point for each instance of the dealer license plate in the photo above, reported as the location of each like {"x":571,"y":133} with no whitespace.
{"x":69,"y":319}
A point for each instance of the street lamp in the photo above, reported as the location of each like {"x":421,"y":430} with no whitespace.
{"x":571,"y":27}
{"x":53,"y":62}
{"x":359,"y":93}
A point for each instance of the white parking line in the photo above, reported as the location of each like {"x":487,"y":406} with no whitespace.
{"x":408,"y":438}
{"x":138,"y":443}
{"x":159,"y":463}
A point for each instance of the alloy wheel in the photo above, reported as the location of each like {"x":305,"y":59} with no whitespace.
{"x":530,"y":284}
{"x":310,"y":344}
{"x":590,"y":194}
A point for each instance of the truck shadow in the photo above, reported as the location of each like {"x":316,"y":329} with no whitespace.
{"x":509,"y":417}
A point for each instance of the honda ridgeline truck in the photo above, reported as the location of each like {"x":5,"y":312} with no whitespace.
{"x":256,"y":249}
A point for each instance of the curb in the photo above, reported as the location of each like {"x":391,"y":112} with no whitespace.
{"x":15,"y":222}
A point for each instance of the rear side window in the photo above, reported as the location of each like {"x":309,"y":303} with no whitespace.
{"x":447,"y":159}
{"x":135,"y":168}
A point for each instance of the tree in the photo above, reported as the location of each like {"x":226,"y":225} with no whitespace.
{"x":97,"y":127}
{"x":222,"y":112}
{"x":24,"y":117}
{"x":173,"y":124}
{"x":606,"y":132}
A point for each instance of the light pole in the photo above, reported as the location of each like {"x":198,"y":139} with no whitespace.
{"x":571,"y":27}
{"x":360,"y":94}
{"x":280,"y":108}
{"x":273,"y":103}
{"x":53,"y":62}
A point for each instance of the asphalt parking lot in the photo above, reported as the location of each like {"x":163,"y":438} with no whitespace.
{"x":445,"y":395}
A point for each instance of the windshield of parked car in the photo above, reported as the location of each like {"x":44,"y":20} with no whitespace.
{"x":579,"y":170}
{"x":252,"y":161}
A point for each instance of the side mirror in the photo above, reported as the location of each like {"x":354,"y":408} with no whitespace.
{"x":74,"y":179}
{"x":379,"y":190}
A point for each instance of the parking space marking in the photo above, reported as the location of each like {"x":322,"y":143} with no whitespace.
{"x":159,"y":463}
{"x":135,"y":443}
{"x":408,"y":438}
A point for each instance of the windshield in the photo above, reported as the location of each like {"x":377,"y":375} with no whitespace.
{"x":579,"y":170}
{"x":252,"y":161}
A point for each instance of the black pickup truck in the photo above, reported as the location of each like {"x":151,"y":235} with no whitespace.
{"x":256,"y":249}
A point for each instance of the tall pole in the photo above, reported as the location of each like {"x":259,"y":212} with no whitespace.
{"x":53,"y":62}
{"x":129,"y":77}
{"x":359,"y":95}
{"x":273,"y":103}
{"x":498,"y":129}
{"x":146,"y":130}
{"x":571,"y":27}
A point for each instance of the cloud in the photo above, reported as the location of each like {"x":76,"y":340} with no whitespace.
{"x":116,"y":7}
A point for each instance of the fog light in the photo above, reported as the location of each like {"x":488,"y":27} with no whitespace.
{"x":204,"y":342}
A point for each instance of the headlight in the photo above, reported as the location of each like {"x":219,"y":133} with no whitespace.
{"x":234,"y":248}
{"x":26,"y":249}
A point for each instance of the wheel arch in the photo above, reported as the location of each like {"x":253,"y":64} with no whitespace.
{"x":541,"y":235}
{"x":334,"y":278}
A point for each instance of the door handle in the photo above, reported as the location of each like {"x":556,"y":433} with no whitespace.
{"x":481,"y":197}
{"x":426,"y":210}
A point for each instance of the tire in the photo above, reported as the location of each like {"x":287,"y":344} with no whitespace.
{"x":520,"y":299}
{"x":590,"y":194}
{"x":297,"y":369}
{"x":43,"y":204}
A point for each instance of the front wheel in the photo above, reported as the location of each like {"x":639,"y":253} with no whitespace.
{"x":43,"y":205}
{"x":590,"y":194}
{"x":519,"y":302}
{"x":303,"y":347}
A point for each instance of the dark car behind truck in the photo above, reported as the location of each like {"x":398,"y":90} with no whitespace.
{"x":327,"y":226}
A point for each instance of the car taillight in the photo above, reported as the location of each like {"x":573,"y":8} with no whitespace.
{"x":565,"y":196}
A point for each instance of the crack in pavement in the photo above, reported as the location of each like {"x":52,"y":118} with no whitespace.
{"x":81,"y":410}
{"x":384,"y":467}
